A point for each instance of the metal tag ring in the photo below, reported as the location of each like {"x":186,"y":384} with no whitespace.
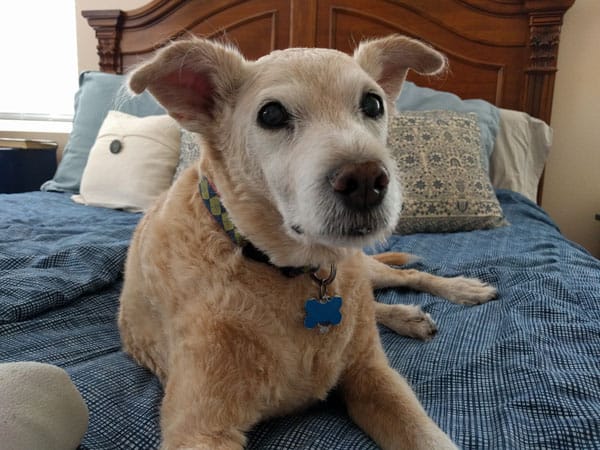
{"x":323,"y":283}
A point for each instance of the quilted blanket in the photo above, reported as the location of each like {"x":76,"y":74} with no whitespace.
{"x":522,"y":372}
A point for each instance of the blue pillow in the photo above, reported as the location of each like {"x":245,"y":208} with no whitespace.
{"x":98,"y":93}
{"x":416,"y":98}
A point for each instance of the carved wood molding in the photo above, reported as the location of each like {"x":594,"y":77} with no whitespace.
{"x":543,"y":41}
{"x":107,"y":25}
{"x":545,"y":21}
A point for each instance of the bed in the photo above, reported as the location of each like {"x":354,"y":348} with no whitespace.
{"x":522,"y":372}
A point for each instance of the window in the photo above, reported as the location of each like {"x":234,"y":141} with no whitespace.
{"x":38,"y":54}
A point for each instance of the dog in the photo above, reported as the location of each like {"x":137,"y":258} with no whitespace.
{"x":246,"y":290}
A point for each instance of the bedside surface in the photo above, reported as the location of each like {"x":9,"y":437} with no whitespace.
{"x":23,"y":170}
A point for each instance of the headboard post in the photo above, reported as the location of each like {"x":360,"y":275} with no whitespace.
{"x":108,"y":32}
{"x":545,"y":20}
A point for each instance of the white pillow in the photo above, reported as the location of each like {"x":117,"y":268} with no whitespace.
{"x":521,"y":149}
{"x":131,"y":163}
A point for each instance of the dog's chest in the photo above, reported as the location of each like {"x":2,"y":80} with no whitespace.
{"x":298,"y":364}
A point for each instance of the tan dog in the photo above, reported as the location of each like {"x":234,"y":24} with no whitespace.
{"x":295,"y":146}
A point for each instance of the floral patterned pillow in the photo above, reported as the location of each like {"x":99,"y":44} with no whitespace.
{"x":446,"y":188}
{"x":189,"y":151}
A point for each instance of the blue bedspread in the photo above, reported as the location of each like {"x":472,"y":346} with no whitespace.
{"x":522,"y":372}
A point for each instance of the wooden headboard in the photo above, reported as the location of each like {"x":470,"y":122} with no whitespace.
{"x":503,"y":51}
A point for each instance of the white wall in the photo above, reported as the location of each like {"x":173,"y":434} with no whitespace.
{"x":86,"y":54}
{"x":86,"y":39}
{"x":572,"y":184}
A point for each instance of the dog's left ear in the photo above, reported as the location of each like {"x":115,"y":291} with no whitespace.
{"x":192,"y":79}
{"x":388,"y":59}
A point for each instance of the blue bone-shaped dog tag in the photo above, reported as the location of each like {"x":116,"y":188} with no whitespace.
{"x":323,"y":313}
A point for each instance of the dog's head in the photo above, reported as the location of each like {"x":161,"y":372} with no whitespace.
{"x":304,"y":129}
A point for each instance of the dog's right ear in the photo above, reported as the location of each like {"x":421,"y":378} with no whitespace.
{"x":388,"y":60}
{"x":191,"y":79}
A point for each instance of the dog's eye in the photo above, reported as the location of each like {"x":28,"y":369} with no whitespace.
{"x":371,"y":105}
{"x":273,"y":116}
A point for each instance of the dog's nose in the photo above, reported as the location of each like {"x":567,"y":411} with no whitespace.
{"x":361,"y":185}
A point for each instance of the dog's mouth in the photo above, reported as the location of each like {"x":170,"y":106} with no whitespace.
{"x":340,"y":227}
{"x":360,"y":232}
{"x":297,"y":229}
{"x":354,"y":232}
{"x":355,"y":226}
{"x":353,"y":205}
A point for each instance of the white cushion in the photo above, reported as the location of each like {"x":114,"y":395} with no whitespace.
{"x":131,"y":163}
{"x":522,"y":147}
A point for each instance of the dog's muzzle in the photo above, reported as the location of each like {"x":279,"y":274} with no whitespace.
{"x":353,"y":204}
{"x":361,"y":186}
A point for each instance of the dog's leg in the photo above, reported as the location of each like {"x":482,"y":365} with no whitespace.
{"x":406,"y":320}
{"x":189,"y":422}
{"x":142,"y":339}
{"x":220,"y":380}
{"x":194,"y":416}
{"x":395,"y":258}
{"x":382,"y":403}
{"x":468,"y":291}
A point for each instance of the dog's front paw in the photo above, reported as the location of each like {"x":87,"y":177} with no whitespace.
{"x":435,"y":439}
{"x":468,"y":291}
{"x":406,"y":320}
{"x":205,"y":446}
{"x":220,"y":441}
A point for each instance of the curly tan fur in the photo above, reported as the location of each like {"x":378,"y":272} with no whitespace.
{"x":225,"y":333}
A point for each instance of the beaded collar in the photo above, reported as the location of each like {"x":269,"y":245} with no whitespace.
{"x":322,"y":312}
{"x":213,"y":204}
